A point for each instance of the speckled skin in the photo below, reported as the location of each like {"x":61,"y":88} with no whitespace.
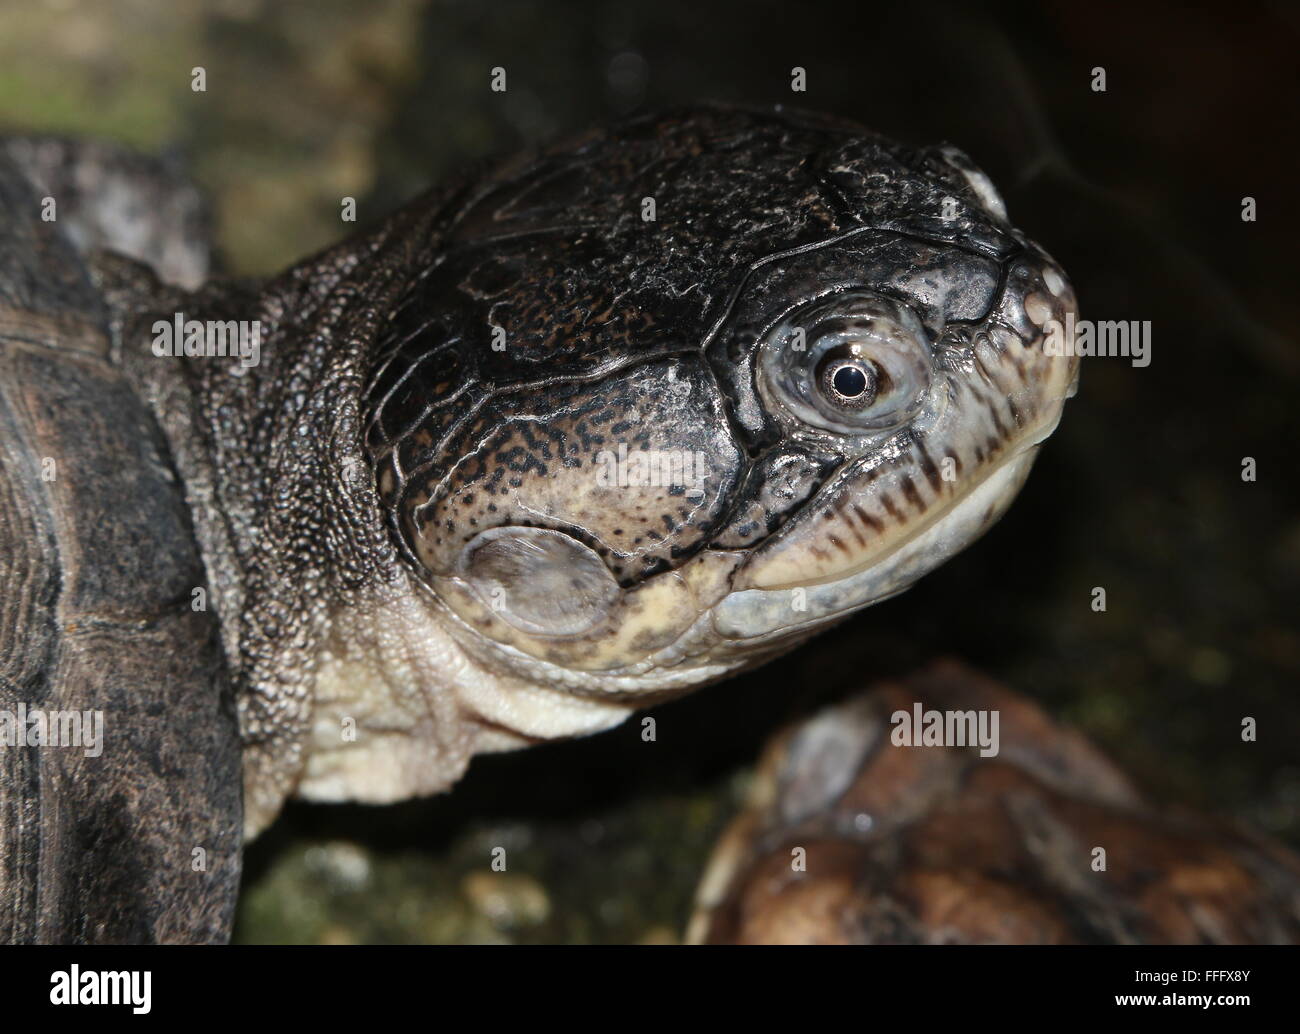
{"x":407,"y":541}
{"x":938,"y":845}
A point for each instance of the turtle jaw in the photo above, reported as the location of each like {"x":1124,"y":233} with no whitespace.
{"x":760,"y":614}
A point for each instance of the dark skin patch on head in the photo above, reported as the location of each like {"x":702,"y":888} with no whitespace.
{"x":928,"y":468}
{"x":867,"y":519}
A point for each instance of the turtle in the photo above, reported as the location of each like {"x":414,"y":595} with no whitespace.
{"x":853,"y":836}
{"x":572,"y":433}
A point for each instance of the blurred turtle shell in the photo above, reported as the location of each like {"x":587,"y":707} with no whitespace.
{"x":850,"y":839}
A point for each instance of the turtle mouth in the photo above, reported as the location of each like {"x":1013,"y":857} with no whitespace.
{"x":755,"y":612}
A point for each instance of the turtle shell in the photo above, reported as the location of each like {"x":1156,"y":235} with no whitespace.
{"x":119,"y":752}
{"x":863,"y":829}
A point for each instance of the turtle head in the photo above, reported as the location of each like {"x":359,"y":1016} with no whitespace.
{"x":912,"y":413}
{"x":678,"y":394}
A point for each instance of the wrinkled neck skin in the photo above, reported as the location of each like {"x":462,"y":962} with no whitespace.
{"x":354,"y":681}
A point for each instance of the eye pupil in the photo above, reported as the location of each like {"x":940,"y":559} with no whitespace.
{"x":849,"y":381}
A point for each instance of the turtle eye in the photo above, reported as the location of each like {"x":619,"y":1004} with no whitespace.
{"x":854,"y":363}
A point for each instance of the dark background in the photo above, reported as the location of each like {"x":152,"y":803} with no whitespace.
{"x":1136,"y":191}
